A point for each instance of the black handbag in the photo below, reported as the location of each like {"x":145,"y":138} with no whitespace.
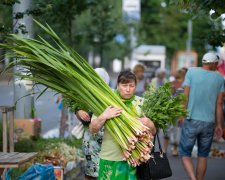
{"x":157,"y":167}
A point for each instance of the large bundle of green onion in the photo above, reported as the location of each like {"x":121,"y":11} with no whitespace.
{"x":162,"y":107}
{"x":65,"y":71}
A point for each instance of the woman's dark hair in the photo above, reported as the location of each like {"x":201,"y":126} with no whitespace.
{"x":126,"y":76}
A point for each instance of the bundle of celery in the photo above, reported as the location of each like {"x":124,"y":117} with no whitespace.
{"x":162,"y":107}
{"x":62,"y":69}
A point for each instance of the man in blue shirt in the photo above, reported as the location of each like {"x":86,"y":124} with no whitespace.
{"x":204,"y":90}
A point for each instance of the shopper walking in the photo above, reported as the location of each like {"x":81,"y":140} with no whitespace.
{"x":142,"y":81}
{"x":204,"y":90}
{"x":159,"y":79}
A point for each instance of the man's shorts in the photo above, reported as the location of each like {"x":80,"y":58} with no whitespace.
{"x":193,"y":130}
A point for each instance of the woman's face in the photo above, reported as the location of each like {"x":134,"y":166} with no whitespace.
{"x":126,"y":90}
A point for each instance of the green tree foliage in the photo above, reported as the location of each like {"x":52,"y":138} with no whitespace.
{"x":105,"y":23}
{"x":199,"y":9}
{"x":60,"y":14}
{"x":86,"y":25}
{"x":83,"y":24}
{"x":202,"y":27}
{"x":7,"y":16}
{"x":5,"y":19}
{"x":163,"y":25}
{"x":5,"y":23}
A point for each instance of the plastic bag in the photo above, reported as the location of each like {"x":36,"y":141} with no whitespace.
{"x":36,"y":172}
{"x":78,"y":130}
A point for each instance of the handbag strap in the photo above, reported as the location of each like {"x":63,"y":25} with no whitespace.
{"x":159,"y":144}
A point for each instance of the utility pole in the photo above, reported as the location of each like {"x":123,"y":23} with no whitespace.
{"x":132,"y":14}
{"x":22,"y":88}
{"x":189,"y":40}
{"x":133,"y":40}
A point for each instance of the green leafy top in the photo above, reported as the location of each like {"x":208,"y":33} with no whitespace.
{"x":162,"y":107}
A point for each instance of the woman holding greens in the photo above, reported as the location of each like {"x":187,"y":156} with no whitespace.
{"x":112,"y":164}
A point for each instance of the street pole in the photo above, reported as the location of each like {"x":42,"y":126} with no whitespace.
{"x":131,"y":11}
{"x":133,"y":40}
{"x":189,"y":40}
{"x":24,"y":105}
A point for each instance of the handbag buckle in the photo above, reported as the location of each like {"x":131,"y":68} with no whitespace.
{"x":154,"y":160}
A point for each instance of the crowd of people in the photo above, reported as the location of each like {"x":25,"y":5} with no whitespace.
{"x":204,"y":89}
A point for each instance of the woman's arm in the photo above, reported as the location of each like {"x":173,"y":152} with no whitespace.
{"x":109,"y":113}
{"x":147,"y":122}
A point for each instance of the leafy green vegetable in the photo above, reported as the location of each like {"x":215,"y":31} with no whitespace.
{"x":62,"y":69}
{"x":162,"y":107}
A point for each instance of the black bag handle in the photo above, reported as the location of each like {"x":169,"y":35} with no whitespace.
{"x":159,"y":144}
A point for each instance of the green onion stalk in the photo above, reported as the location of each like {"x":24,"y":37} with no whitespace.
{"x":62,"y":69}
{"x":162,"y":107}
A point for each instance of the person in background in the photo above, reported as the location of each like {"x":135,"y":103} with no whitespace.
{"x":159,"y":79}
{"x":142,"y":82}
{"x":112,"y":165}
{"x":173,"y":133}
{"x":91,"y":143}
{"x":204,"y":90}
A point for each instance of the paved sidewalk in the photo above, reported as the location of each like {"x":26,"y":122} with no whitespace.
{"x":215,"y":169}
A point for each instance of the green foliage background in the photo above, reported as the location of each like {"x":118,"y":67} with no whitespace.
{"x":90,"y":25}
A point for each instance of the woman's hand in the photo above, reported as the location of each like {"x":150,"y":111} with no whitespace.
{"x":109,"y":113}
{"x":147,"y":122}
{"x":83,"y":115}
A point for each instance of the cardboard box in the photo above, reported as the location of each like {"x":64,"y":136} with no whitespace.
{"x":26,"y":128}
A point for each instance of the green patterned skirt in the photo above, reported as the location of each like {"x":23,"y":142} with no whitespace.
{"x":116,"y":170}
